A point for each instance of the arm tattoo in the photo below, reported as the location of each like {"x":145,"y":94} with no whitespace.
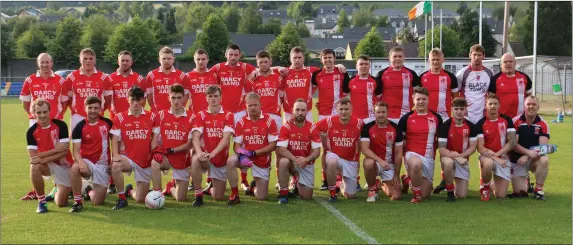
{"x":442,"y":144}
{"x":511,"y":139}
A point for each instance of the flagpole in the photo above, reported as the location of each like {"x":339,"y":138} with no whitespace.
{"x":425,"y":40}
{"x":432,"y":4}
{"x":480,"y":20}
{"x":441,"y":29}
{"x":535,"y":48}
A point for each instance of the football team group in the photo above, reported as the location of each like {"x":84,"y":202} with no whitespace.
{"x":396,"y":117}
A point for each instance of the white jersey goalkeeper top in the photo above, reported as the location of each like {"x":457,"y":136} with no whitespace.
{"x":473,"y":85}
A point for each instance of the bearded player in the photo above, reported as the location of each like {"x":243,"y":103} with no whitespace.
{"x":200,"y":79}
{"x":134,"y":135}
{"x":420,"y":130}
{"x":90,"y":140}
{"x":48,"y":147}
{"x":212,"y":131}
{"x":255,"y":139}
{"x":299,"y":145}
{"x":173,"y":149}
{"x":457,"y":140}
{"x":381,"y":144}
{"x":342,"y":153}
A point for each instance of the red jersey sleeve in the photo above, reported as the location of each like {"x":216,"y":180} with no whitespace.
{"x":321,"y":126}
{"x":156,"y":122}
{"x":116,"y":127}
{"x":283,"y":137}
{"x":239,"y":133}
{"x":186,"y":82}
{"x":312,"y":69}
{"x":273,"y":133}
{"x":197,"y":123}
{"x":107,"y":86}
{"x":249,"y":68}
{"x":315,"y":137}
{"x":229,"y":123}
{"x":67,"y":87}
{"x":147,"y":84}
{"x":25,"y":94}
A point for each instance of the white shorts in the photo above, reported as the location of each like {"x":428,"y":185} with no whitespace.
{"x":428,"y":165}
{"x":278,"y":120}
{"x":239,"y":115}
{"x":498,"y":170}
{"x":520,"y":170}
{"x":61,"y":174}
{"x":263,"y":173}
{"x":461,"y":171}
{"x":32,"y":122}
{"x":289,"y":116}
{"x":368,"y":120}
{"x":306,"y":175}
{"x":74,"y":120}
{"x":141,"y":174}
{"x":216,"y":173}
{"x":385,"y":175}
{"x":99,"y":175}
{"x":349,"y":172}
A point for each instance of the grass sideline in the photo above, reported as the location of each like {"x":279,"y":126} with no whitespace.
{"x":433,"y":221}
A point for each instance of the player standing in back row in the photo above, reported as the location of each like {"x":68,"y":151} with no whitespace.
{"x":441,"y":84}
{"x":364,"y":90}
{"x":511,"y":85}
{"x":474,"y":82}
{"x":160,"y":80}
{"x":200,"y":79}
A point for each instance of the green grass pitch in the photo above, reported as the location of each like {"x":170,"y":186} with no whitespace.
{"x":433,"y":221}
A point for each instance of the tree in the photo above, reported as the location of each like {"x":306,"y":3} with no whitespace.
{"x":499,"y":12}
{"x":32,"y":42}
{"x":197,"y":15}
{"x":97,"y":30}
{"x":136,"y":37}
{"x":273,"y":26}
{"x":21,"y":25}
{"x":214,"y":38}
{"x":7,"y":43}
{"x":342,"y":21}
{"x":373,"y":7}
{"x":231,"y":16}
{"x":159,"y":31}
{"x":299,"y":10}
{"x":381,"y":21}
{"x":170,"y":25}
{"x":124,"y":10}
{"x":90,"y":10}
{"x":303,"y":30}
{"x":250,"y":20}
{"x":372,"y":45}
{"x":462,"y":6}
{"x":279,"y":49}
{"x":267,"y":5}
{"x":553,"y":28}
{"x":404,"y":36}
{"x":451,"y":45}
{"x":181,"y":15}
{"x":135,"y":9}
{"x":362,"y":17}
{"x":49,"y":28}
{"x":147,"y":9}
{"x":66,"y":46}
{"x":52,"y":5}
{"x":469,"y":26}
{"x":517,"y":31}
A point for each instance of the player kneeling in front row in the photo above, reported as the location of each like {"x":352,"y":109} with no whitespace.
{"x":299,"y":145}
{"x":381,"y":144}
{"x":255,"y":139}
{"x":48,"y":147}
{"x":135,"y":133}
{"x":212,"y":130}
{"x":457,"y":140}
{"x":173,"y":153}
{"x":342,"y":132}
{"x":90,"y":140}
{"x":420,"y":130}
{"x":532,"y":130}
{"x":496,"y":137}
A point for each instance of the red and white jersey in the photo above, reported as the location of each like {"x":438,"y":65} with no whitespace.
{"x":120,"y":86}
{"x":421,"y":132}
{"x":173,"y":132}
{"x":473,"y":86}
{"x":298,"y":85}
{"x":342,"y":138}
{"x":198,"y":84}
{"x":364,"y":93}
{"x":270,"y":88}
{"x":49,"y":89}
{"x":382,"y":139}
{"x":158,"y":84}
{"x":494,"y":132}
{"x":79,"y":86}
{"x":329,"y":85}
{"x":397,"y":87}
{"x":299,"y":140}
{"x":511,"y":90}
{"x":254,"y":135}
{"x":45,"y":139}
{"x":94,"y":140}
{"x":136,"y":133}
{"x":212,"y":128}
{"x":232,"y":79}
{"x":457,"y":138}
{"x":440,"y":86}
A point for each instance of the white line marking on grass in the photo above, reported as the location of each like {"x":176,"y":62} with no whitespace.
{"x":359,"y":232}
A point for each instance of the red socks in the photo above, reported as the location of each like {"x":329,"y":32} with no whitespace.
{"x":199,"y":192}
{"x":121,"y":196}
{"x":244,"y":177}
{"x":41,"y":198}
{"x":78,"y":198}
{"x":417,"y":191}
{"x":450,"y":187}
{"x":283,"y":191}
{"x":332,"y":190}
{"x":209,"y":180}
{"x":234,"y":191}
{"x":538,"y":187}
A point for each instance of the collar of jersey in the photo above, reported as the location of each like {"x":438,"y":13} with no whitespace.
{"x":130,"y":114}
{"x":83,"y":73}
{"x":52,"y":74}
{"x":183,"y":115}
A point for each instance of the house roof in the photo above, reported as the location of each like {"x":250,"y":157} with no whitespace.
{"x":518,"y":49}
{"x":250,"y":43}
{"x":34,"y":11}
{"x":327,"y":9}
{"x":359,"y":32}
{"x":279,"y":14}
{"x":352,"y":46}
{"x":5,"y":16}
{"x":410,"y":49}
{"x":389,"y":12}
{"x":328,"y":25}
{"x":51,"y":17}
{"x":317,"y":44}
{"x":348,"y":9}
{"x":445,"y":12}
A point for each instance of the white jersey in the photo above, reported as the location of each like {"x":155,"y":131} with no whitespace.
{"x":474,"y":85}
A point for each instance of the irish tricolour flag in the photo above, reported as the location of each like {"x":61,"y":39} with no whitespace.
{"x":421,"y":8}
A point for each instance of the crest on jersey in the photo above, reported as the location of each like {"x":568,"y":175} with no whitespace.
{"x":501,"y":127}
{"x":296,"y":75}
{"x":466,"y":133}
{"x":520,"y":81}
{"x":443,"y":79}
{"x":389,"y":136}
{"x":89,"y":83}
{"x":344,"y":133}
{"x":45,"y":86}
{"x":255,"y":130}
{"x":405,"y":76}
{"x":336,"y":77}
{"x":267,"y":83}
{"x":124,"y":84}
{"x":370,"y":86}
{"x":537,"y":130}
{"x":202,"y":79}
{"x":477,"y":77}
{"x":103,"y":131}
